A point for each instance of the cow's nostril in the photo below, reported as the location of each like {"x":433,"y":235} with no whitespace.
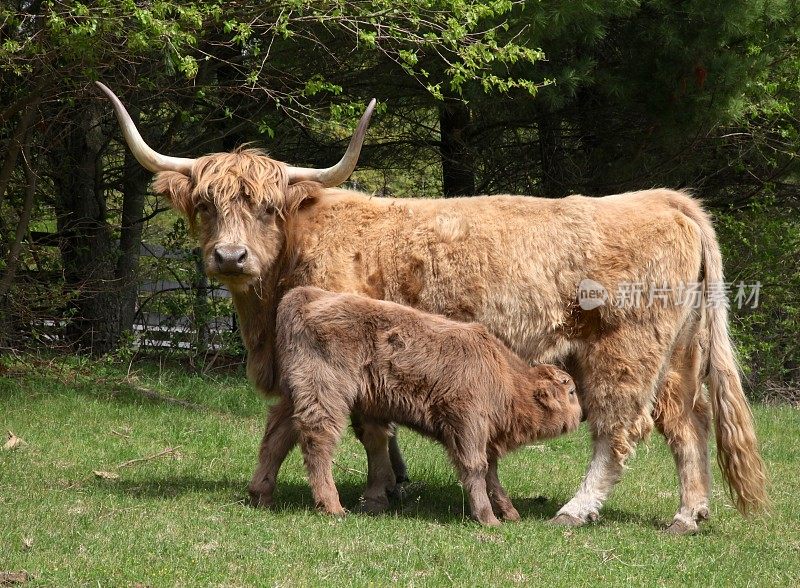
{"x":230,"y":258}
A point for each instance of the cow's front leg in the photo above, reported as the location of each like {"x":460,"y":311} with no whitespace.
{"x":280,"y":437}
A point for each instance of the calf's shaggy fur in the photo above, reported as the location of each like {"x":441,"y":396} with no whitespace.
{"x":344,"y":353}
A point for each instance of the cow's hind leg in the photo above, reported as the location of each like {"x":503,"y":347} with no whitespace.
{"x":619,"y":374}
{"x":683,"y":415}
{"x":398,"y":463}
{"x":280,"y":437}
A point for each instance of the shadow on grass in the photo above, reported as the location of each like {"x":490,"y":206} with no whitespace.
{"x":119,"y":391}
{"x":444,"y":503}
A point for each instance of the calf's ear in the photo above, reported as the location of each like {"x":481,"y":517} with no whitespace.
{"x":177,"y":189}
{"x":546,"y":396}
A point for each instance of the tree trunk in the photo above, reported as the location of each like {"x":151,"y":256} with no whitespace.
{"x":15,"y":144}
{"x":458,"y":170}
{"x":87,"y":249}
{"x":134,"y":188}
{"x":7,"y":330}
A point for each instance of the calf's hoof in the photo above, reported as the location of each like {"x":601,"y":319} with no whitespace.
{"x":511,"y":515}
{"x":489,"y":521}
{"x":258,"y":500}
{"x":335,"y":511}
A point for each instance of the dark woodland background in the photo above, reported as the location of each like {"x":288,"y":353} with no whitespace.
{"x":546,"y":98}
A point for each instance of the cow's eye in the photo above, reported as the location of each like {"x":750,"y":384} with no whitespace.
{"x":203,"y":208}
{"x":266,"y":211}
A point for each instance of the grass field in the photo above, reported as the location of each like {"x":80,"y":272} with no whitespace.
{"x":180,"y":518}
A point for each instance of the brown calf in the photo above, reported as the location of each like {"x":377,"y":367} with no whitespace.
{"x":455,"y":382}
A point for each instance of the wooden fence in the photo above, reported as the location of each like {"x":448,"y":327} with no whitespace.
{"x":207,"y":327}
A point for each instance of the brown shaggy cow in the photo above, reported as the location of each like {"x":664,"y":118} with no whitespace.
{"x":511,"y":263}
{"x":455,"y":382}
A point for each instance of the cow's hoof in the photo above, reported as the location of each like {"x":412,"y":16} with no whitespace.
{"x":373,"y":506}
{"x":701,"y":514}
{"x":397,"y":492}
{"x":511,"y":515}
{"x":682,"y":527}
{"x":567,"y":520}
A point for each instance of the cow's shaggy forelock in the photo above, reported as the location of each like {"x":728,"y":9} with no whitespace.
{"x":223,"y":178}
{"x":242,"y":199}
{"x":228,"y":180}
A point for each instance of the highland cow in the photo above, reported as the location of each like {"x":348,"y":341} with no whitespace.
{"x":455,"y":382}
{"x":514,"y":264}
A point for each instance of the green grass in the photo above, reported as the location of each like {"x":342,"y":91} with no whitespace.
{"x":181,"y":519}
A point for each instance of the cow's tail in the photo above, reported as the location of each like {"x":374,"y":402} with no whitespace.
{"x":737,"y":447}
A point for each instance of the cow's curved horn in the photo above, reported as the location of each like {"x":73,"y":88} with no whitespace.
{"x":333,"y":176}
{"x":149,"y":158}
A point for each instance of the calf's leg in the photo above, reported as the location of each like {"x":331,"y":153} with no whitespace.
{"x":473,"y":477}
{"x":497,"y":494}
{"x":375,"y":437}
{"x":380,"y":475}
{"x":318,"y":441}
{"x":470,"y":458}
{"x":280,"y":437}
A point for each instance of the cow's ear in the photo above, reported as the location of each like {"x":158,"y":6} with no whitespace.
{"x":177,"y":189}
{"x":300,"y":194}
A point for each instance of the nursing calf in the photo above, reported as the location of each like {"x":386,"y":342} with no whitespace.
{"x":455,"y":382}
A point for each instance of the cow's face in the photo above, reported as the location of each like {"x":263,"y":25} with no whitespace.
{"x":238,"y":200}
{"x":235,"y":202}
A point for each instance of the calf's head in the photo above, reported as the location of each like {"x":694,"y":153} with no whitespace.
{"x":238,"y":201}
{"x":554,"y":391}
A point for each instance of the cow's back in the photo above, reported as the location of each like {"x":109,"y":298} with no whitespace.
{"x":512,"y":263}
